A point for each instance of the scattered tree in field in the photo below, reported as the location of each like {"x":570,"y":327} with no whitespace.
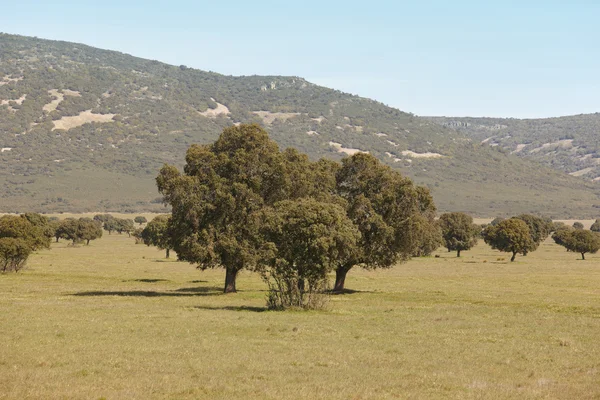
{"x":539,"y":228}
{"x":19,"y":236}
{"x":427,"y":236}
{"x":123,"y":225}
{"x":595,"y":226}
{"x":458,"y":231}
{"x":511,"y":235}
{"x":557,"y":225}
{"x":579,"y":241}
{"x":137,"y":235}
{"x":383,"y":205}
{"x":213,"y":202}
{"x":19,"y":227}
{"x":308,"y":239}
{"x":140,"y":220}
{"x":88,"y":230}
{"x":562,"y":235}
{"x":156,"y":234}
{"x":577,"y":225}
{"x":224,"y":186}
{"x":83,"y":229}
{"x":13,"y":254}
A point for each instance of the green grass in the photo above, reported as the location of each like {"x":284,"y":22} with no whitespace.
{"x":115,"y":320}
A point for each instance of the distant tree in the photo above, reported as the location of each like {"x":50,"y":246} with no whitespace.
{"x":427,"y":236}
{"x":140,"y":220}
{"x":580,"y":241}
{"x":18,"y":227}
{"x":458,"y":231}
{"x":595,"y":226}
{"x":103,"y":217}
{"x":88,"y":229}
{"x":137,"y":234}
{"x":13,"y":254}
{"x":309,"y":238}
{"x":111,"y":225}
{"x":511,"y":235}
{"x":539,"y":228}
{"x":83,"y":229}
{"x":156,"y":234}
{"x":562,"y":235}
{"x":557,"y":225}
{"x":577,"y":225}
{"x":123,"y":225}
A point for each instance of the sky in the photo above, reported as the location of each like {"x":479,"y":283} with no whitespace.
{"x":503,"y":58}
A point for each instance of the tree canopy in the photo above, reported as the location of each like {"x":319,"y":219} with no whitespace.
{"x":156,"y":234}
{"x":458,"y":231}
{"x":578,"y":240}
{"x":511,"y":235}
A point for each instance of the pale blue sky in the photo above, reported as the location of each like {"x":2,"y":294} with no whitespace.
{"x":508,"y":58}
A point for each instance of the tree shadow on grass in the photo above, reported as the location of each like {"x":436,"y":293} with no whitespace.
{"x":233,"y":308}
{"x":146,"y":280}
{"x":183,"y":292}
{"x":198,"y":281}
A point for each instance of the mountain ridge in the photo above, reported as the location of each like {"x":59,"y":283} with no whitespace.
{"x":87,"y":129}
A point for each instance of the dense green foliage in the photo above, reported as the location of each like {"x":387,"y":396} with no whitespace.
{"x":79,"y":230}
{"x":156,"y":234}
{"x":595,"y":226}
{"x":578,"y":241}
{"x":458,"y":231}
{"x":310,"y":239}
{"x":578,"y":225}
{"x":539,"y":228}
{"x":511,"y":235}
{"x":13,"y":254}
{"x":154,"y":112}
{"x":140,"y":220}
{"x":218,"y":207}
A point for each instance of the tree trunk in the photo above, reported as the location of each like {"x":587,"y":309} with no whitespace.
{"x":301,"y":285}
{"x":88,"y":242}
{"x":513,"y":257}
{"x":168,"y":253}
{"x":583,"y":256}
{"x":457,"y":253}
{"x":56,"y":240}
{"x":340,"y":278}
{"x":230,"y":276}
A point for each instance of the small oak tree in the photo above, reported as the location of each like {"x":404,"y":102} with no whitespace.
{"x":580,"y":241}
{"x":458,"y":231}
{"x":156,"y":234}
{"x":511,"y":235}
{"x":140,"y":220}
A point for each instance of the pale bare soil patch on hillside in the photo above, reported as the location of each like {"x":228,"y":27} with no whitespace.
{"x":270,"y":117}
{"x":565,"y":144}
{"x":221,"y":109}
{"x":9,"y":79}
{"x":84,"y":117}
{"x":345,"y":150}
{"x":59,"y":98}
{"x":582,"y":172}
{"x":409,"y":153}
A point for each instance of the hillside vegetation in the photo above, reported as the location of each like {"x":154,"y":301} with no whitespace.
{"x":84,"y":129}
{"x":569,"y":144}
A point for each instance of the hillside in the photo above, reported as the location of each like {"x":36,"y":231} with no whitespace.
{"x":569,"y":144}
{"x":84,"y":129}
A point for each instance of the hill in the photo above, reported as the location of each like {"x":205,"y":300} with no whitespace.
{"x":568,"y":144}
{"x":84,"y":129}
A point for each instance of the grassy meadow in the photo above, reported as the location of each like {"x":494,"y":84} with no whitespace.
{"x":115,"y":320}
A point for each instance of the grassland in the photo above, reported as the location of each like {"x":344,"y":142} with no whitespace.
{"x":115,"y":320}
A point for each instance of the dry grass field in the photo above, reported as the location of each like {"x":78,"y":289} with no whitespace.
{"x":115,"y":320}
